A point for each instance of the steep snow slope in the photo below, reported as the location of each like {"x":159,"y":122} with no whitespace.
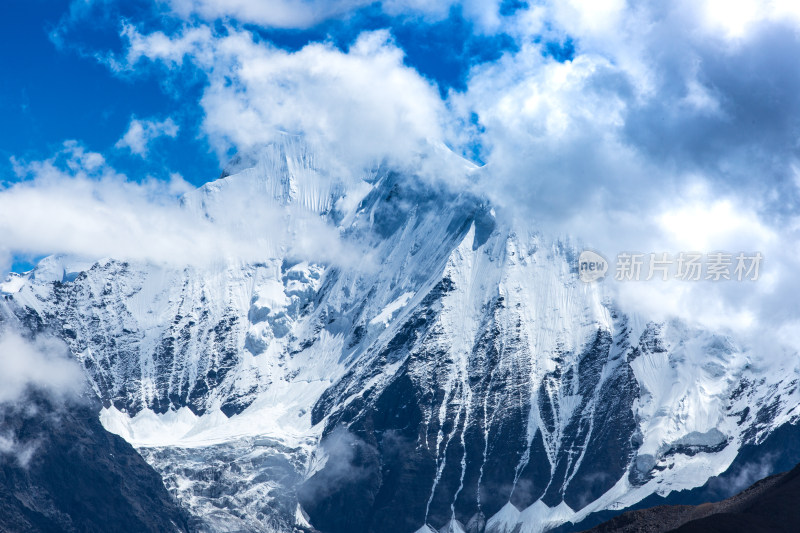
{"x":430,"y":367}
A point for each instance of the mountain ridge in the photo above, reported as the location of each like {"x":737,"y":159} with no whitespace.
{"x":462,"y":374}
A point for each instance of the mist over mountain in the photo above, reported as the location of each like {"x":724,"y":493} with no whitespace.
{"x":60,"y":470}
{"x":397,"y":355}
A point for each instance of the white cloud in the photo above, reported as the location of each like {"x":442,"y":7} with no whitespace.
{"x":171,"y":50}
{"x":734,"y":19}
{"x":142,"y":132}
{"x":357,"y":107}
{"x":76,"y":204}
{"x":44,"y":364}
{"x":22,"y":452}
{"x":306,"y":13}
{"x":672,"y":129}
{"x":276,"y":13}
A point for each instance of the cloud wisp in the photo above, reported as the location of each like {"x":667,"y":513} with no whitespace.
{"x":44,"y":364}
{"x":44,"y":367}
{"x":141,"y":133}
{"x":286,"y":14}
{"x":76,"y":204}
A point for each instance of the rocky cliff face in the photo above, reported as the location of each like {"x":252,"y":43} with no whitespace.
{"x":451,"y":372}
{"x":61,"y":471}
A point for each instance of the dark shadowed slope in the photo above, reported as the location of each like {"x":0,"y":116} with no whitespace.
{"x":61,"y":471}
{"x":770,"y":505}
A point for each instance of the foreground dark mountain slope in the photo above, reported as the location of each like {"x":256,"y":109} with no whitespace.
{"x":61,"y":471}
{"x":770,"y":505}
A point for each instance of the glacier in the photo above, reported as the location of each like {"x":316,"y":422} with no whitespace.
{"x":423,"y":365}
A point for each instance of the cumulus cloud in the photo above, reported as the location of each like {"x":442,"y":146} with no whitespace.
{"x":142,"y":132}
{"x":358,"y":106}
{"x":671,"y":128}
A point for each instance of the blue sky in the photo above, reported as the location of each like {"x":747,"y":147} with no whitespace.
{"x":59,"y":90}
{"x":628,"y":124}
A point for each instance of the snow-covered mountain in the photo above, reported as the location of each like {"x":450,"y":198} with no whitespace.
{"x":435,"y":369}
